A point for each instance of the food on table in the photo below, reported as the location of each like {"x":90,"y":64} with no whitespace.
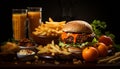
{"x":76,"y":61}
{"x":74,"y":50}
{"x":77,"y":33}
{"x":110,"y":59}
{"x":9,"y":48}
{"x":48,"y":31}
{"x":115,"y":60}
{"x":90,"y":54}
{"x":106,"y":40}
{"x":102,"y":49}
{"x":50,"y":28}
{"x":52,"y":49}
{"x":76,"y":40}
{"x":26,"y":42}
{"x":26,"y":52}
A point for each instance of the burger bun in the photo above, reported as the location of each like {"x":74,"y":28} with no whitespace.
{"x":78,"y":26}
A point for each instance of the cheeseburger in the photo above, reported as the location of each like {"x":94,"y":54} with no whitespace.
{"x":77,"y":33}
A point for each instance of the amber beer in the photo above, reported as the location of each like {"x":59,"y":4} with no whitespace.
{"x":19,"y":23}
{"x":34,"y":17}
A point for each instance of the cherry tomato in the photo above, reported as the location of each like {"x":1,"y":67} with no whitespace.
{"x":106,"y":40}
{"x":102,"y":49}
{"x":90,"y":54}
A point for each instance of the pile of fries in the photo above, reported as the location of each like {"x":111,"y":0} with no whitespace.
{"x":52,"y":49}
{"x":50,"y":28}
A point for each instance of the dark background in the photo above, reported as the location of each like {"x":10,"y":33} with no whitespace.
{"x":63,"y":10}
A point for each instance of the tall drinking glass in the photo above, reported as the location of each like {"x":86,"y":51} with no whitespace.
{"x":19,"y":23}
{"x":35,"y":18}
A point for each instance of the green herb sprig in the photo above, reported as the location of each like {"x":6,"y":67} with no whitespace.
{"x":98,"y":27}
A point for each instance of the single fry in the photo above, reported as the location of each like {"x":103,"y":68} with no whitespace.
{"x":50,"y":19}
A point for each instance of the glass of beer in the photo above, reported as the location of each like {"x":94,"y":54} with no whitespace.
{"x":34,"y":18}
{"x":19,"y":17}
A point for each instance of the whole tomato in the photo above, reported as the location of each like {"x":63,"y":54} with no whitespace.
{"x":90,"y":54}
{"x":102,"y":49}
{"x":106,"y":40}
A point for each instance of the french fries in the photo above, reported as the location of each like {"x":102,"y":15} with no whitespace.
{"x":50,"y":28}
{"x":53,"y":49}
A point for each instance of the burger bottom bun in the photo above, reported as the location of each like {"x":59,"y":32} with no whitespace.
{"x":74,"y":50}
